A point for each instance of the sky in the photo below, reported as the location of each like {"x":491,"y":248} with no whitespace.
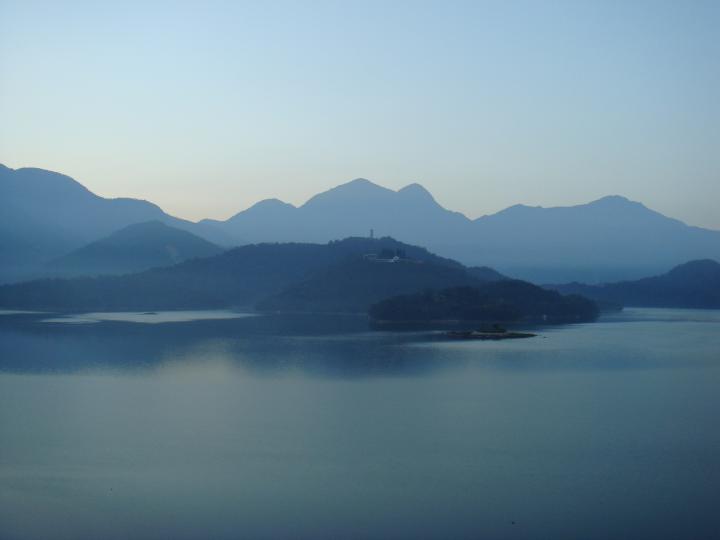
{"x":207,"y":107}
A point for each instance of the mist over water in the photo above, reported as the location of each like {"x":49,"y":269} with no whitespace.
{"x":313,"y":427}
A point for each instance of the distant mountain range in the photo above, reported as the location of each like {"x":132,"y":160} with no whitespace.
{"x":695,"y":284}
{"x":351,"y":209}
{"x":606,"y":240}
{"x":132,"y":249}
{"x":46,"y":215}
{"x":345,"y":275}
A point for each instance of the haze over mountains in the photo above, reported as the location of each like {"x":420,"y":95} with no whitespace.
{"x":695,"y":284}
{"x":46,"y":215}
{"x":134,"y":248}
{"x":608,"y":239}
{"x":244,"y":276}
{"x":351,"y":209}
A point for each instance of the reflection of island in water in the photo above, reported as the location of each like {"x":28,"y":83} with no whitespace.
{"x":326,"y":346}
{"x":322,"y":345}
{"x":149,"y":317}
{"x":493,"y":333}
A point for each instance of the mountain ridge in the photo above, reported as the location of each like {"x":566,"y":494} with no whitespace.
{"x":238,"y":277}
{"x":45,"y":215}
{"x":134,"y":248}
{"x":694,"y":284}
{"x":609,"y":239}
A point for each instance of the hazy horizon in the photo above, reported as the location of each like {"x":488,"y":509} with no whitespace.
{"x":208,"y":108}
{"x":330,"y":188}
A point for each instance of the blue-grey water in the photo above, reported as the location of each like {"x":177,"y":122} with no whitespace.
{"x":306,"y":427}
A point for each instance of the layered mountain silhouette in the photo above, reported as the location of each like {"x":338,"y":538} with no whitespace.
{"x":351,"y":209}
{"x":358,"y":270}
{"x":607,"y":239}
{"x":695,"y":284}
{"x":354,"y":285}
{"x":45,"y":215}
{"x":134,"y":248}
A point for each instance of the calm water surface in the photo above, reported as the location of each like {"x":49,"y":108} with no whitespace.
{"x":204,"y":427}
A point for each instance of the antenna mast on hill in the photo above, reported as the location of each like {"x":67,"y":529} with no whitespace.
{"x":372,"y":233}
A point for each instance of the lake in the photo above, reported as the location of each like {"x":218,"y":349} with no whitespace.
{"x":220,"y":426}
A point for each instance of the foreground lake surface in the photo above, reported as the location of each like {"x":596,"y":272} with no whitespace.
{"x":305,"y":427}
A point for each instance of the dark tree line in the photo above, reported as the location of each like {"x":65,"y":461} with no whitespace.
{"x":499,"y":301}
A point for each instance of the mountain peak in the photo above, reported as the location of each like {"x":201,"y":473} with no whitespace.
{"x":271,"y":203}
{"x":349,"y":192}
{"x":615,"y":201}
{"x":514,"y":210}
{"x":134,"y":248}
{"x":269,"y":208}
{"x":417,"y":191}
{"x":697,"y":269}
{"x":359,"y":181}
{"x":358,"y":185}
{"x":148,"y":231}
{"x":45,"y":183}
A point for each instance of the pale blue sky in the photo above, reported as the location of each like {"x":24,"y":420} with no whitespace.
{"x":207,"y":107}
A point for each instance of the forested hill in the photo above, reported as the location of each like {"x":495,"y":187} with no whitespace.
{"x":134,"y":248}
{"x":695,"y":284}
{"x":354,"y":285}
{"x":238,"y":277}
{"x":507,"y":301}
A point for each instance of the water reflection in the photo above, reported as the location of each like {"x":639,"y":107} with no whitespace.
{"x":305,"y":427}
{"x":337,"y":346}
{"x":343,"y":347}
{"x":147,"y":317}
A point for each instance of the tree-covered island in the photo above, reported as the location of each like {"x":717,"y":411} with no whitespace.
{"x":507,"y":301}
